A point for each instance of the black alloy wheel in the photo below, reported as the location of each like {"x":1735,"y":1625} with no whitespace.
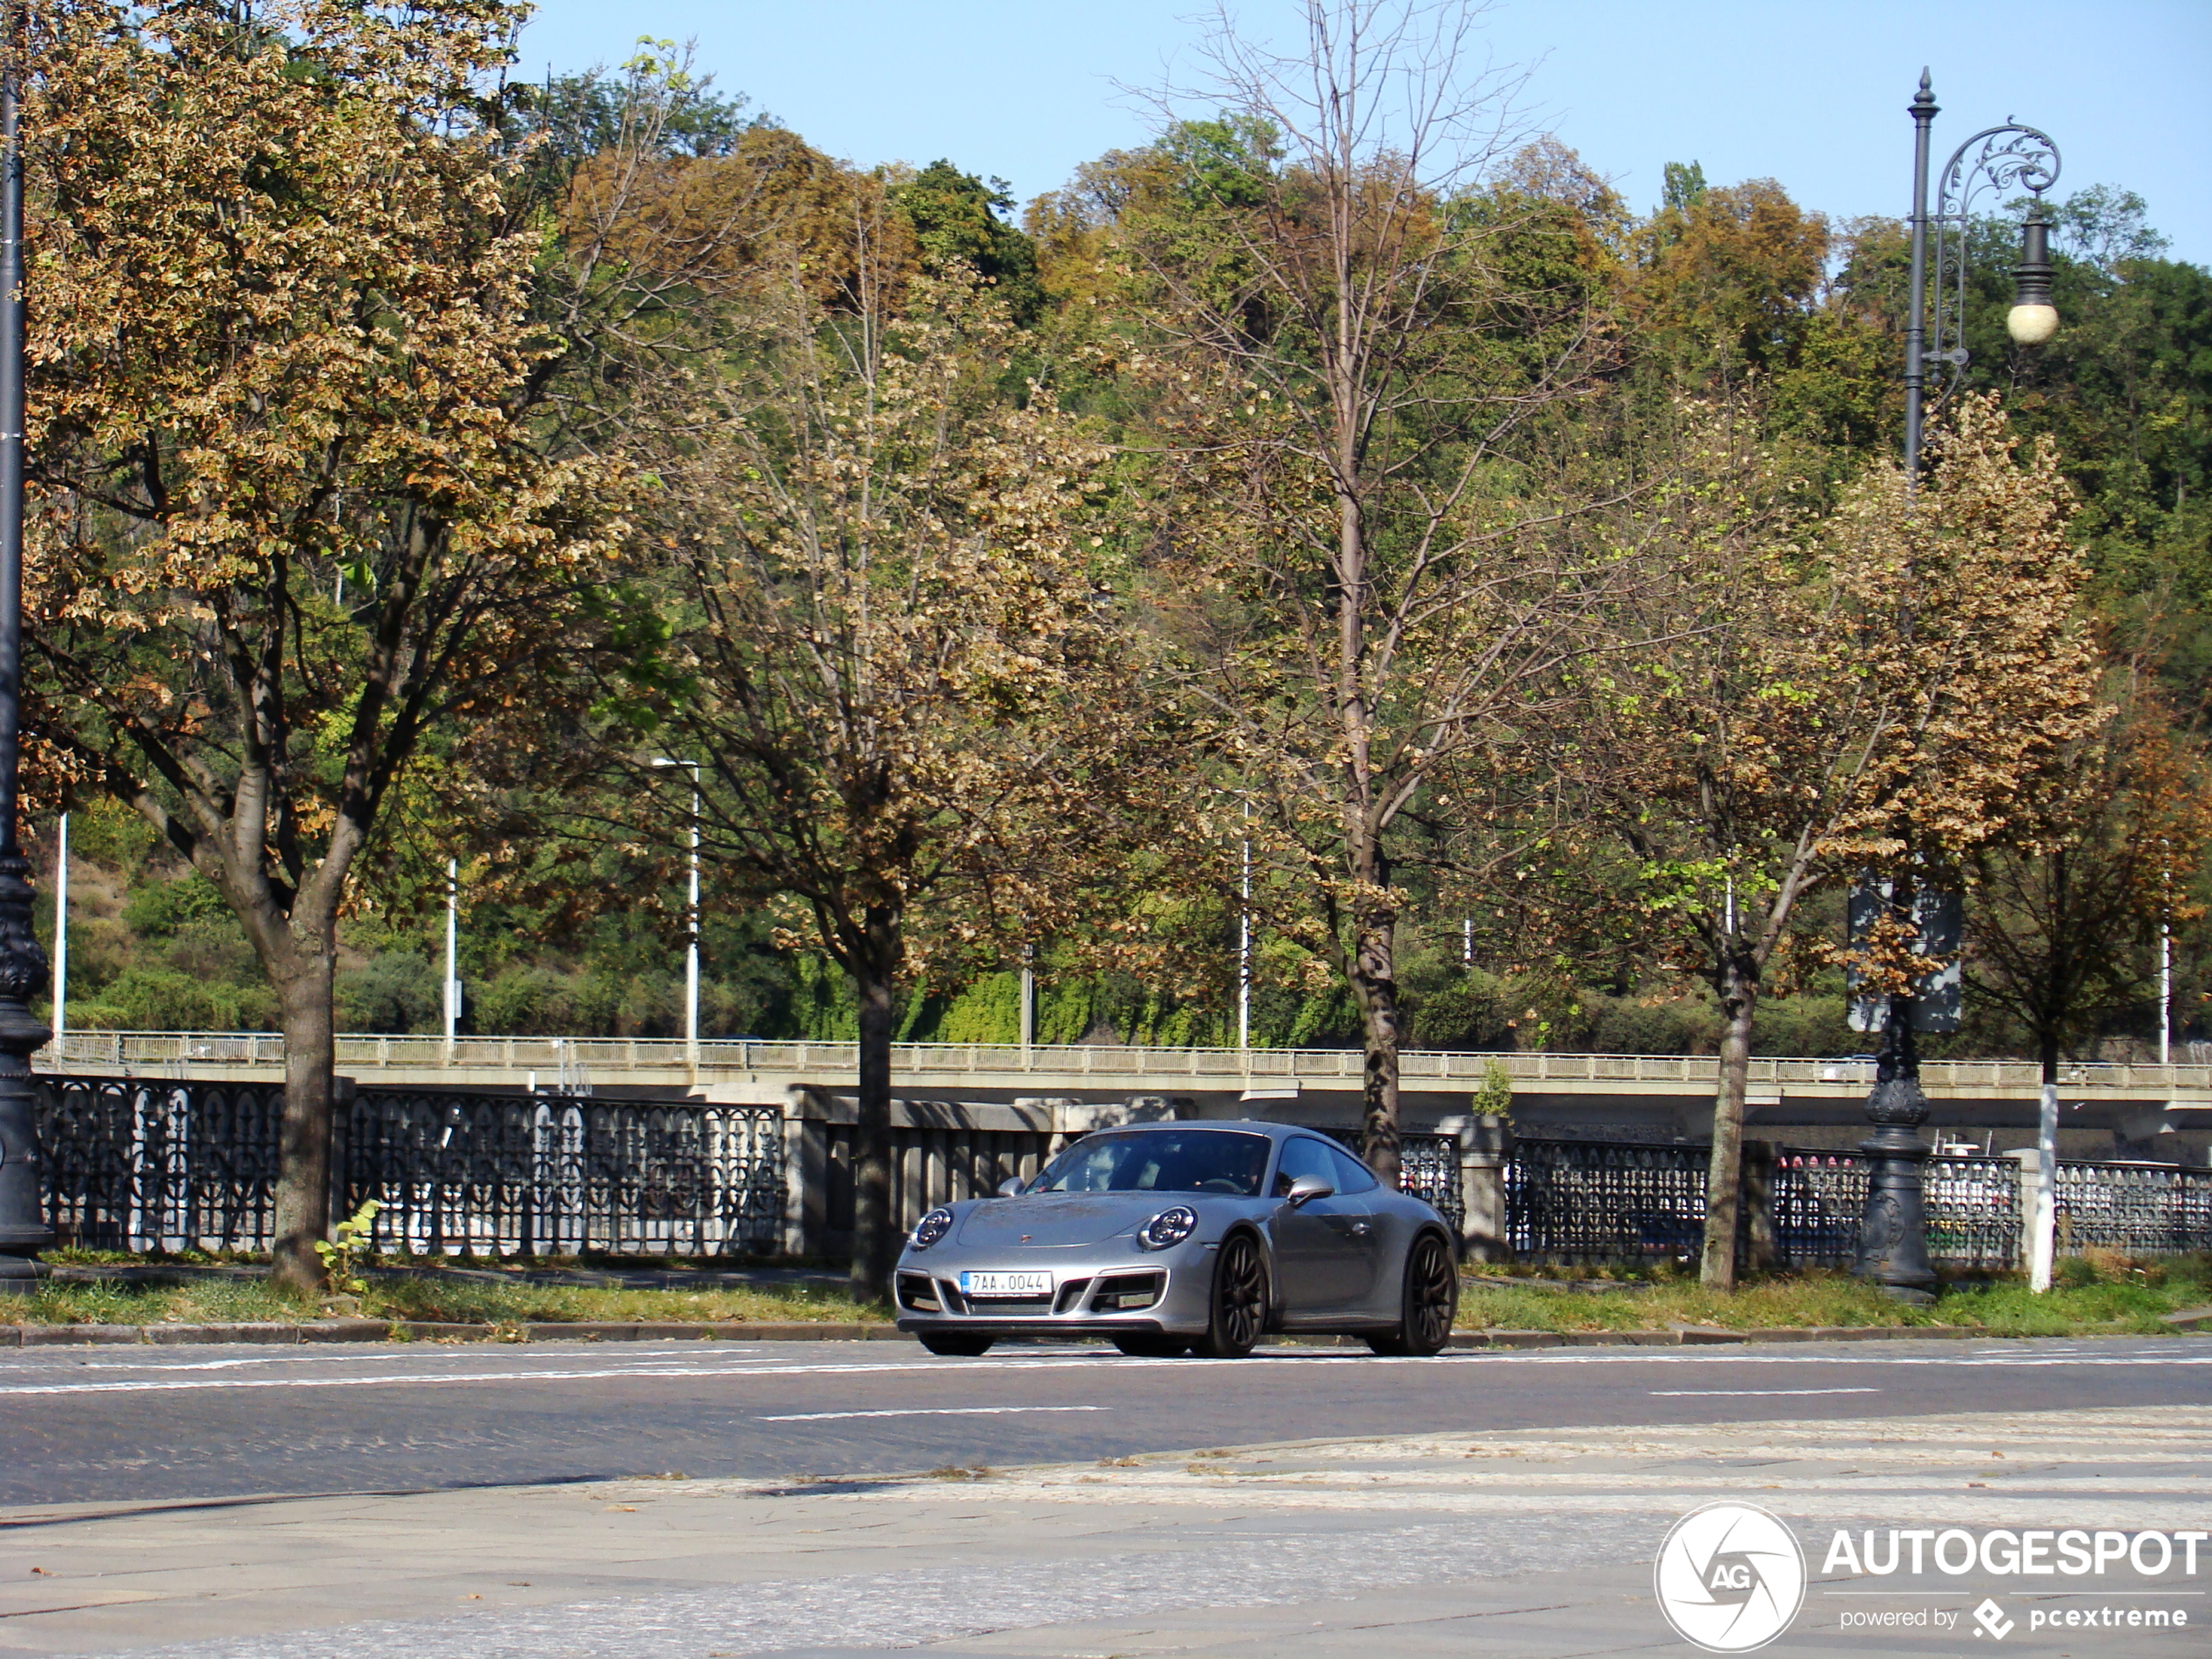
{"x":1142,"y":1344}
{"x":1239,"y":1300}
{"x":957,"y":1343}
{"x":1430,"y":1303}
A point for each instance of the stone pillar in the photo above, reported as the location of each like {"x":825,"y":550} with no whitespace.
{"x":2030,"y":1159}
{"x":1486,"y":1146}
{"x":342,"y":1092}
{"x":1758,"y":1244}
{"x":805,"y":1173}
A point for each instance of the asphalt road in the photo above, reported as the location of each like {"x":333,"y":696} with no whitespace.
{"x":106,"y":1426}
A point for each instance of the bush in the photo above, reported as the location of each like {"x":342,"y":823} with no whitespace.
{"x":166,"y":999}
{"x":157,"y":909}
{"x":395,"y":991}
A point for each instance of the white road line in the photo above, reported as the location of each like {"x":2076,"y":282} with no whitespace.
{"x":929,"y":1410}
{"x":1689,"y":1393}
{"x":150,"y":1385}
{"x":524,"y":1371}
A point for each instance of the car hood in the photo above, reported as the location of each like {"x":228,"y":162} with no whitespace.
{"x":1061,"y":1217}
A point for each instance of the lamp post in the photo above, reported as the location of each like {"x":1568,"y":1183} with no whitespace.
{"x":691,"y":915}
{"x":453,"y":950}
{"x":1893,"y":1234}
{"x":23,"y":964}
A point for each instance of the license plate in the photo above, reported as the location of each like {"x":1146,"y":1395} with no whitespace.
{"x":1006,"y":1283}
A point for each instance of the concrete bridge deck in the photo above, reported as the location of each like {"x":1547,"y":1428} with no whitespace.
{"x":1671,"y":1094}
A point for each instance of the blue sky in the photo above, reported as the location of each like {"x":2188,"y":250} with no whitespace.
{"x":1809,"y":91}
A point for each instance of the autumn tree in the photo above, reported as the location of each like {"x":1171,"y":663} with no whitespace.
{"x":1885,"y":689}
{"x":892,"y":656}
{"x":297,"y":523}
{"x":2061,"y":934}
{"x":1358,"y":350}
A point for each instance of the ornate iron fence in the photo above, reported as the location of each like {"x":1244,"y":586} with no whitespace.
{"x":2149,"y":1207}
{"x":549,"y":1175}
{"x":1973,"y":1208}
{"x":1583,"y":1200}
{"x":1597,"y":1200}
{"x":155,"y":1164}
{"x":1817,"y":1197}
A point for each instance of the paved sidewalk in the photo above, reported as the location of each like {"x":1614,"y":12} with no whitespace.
{"x":1535,"y":1543}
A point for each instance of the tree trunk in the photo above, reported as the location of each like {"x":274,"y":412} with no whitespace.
{"x":1374,"y":983}
{"x":1724,"y":1178}
{"x":874,"y":1237}
{"x":303,"y":1171}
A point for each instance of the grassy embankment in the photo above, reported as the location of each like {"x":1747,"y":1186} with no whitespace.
{"x":2102,"y":1293}
{"x":471,"y":1301}
{"x":2098,"y":1293}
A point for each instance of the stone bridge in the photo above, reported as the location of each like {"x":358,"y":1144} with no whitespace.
{"x":2159,"y":1110}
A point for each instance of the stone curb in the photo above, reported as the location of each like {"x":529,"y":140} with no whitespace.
{"x":40,"y":1335}
{"x":1691,"y":1336}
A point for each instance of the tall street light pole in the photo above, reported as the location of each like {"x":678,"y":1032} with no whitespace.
{"x":23,"y":964}
{"x":453,"y":953}
{"x":61,"y":932}
{"x":1892,"y":1235}
{"x":692,"y":924}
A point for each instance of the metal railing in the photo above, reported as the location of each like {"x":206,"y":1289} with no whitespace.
{"x":2152,"y":1208}
{"x":165,"y":1052}
{"x":1616,"y":1201}
{"x":147,"y":1163}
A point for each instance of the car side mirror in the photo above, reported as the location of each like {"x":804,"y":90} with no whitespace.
{"x":1306,"y":1189}
{"x":1011,"y":1186}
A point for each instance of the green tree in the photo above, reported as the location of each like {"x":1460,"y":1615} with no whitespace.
{"x":296,"y":520}
{"x":1359,"y":356}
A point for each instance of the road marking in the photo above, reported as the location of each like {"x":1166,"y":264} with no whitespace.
{"x":524,"y":1369}
{"x":929,"y":1410}
{"x":1686,"y":1393}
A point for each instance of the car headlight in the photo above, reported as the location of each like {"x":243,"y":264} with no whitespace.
{"x":1168,"y":1228}
{"x":931,"y":1228}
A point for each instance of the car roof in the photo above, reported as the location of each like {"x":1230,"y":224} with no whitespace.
{"x":1248,"y":1125}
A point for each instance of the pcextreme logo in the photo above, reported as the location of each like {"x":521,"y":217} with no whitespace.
{"x":1730,"y":1577}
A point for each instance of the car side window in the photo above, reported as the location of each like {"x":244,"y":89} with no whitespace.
{"x":1352,"y":1175}
{"x":1302,"y":1157}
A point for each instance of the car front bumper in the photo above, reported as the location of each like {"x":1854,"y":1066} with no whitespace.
{"x":1152,"y":1296}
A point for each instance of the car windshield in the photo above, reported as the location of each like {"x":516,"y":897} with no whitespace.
{"x":1195,"y":1160}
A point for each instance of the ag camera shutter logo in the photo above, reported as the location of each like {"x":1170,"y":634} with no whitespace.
{"x":1730,"y":1577}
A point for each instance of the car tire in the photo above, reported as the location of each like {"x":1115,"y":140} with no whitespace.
{"x":1429,"y":1303}
{"x":1144,"y":1346}
{"x":1239,"y":1301}
{"x":957,"y":1343}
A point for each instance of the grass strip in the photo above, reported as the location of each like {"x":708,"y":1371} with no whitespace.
{"x":223,"y":1301}
{"x":2101,"y":1294}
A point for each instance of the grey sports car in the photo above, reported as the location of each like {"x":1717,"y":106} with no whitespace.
{"x":1167,"y":1237}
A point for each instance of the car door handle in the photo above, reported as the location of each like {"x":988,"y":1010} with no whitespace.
{"x":1360,"y":1229}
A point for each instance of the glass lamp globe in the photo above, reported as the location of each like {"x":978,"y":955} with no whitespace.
{"x":2031,"y":324}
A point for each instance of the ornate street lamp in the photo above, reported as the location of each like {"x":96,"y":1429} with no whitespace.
{"x":1892,"y":1230}
{"x":2012,"y":157}
{"x":23,"y":964}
